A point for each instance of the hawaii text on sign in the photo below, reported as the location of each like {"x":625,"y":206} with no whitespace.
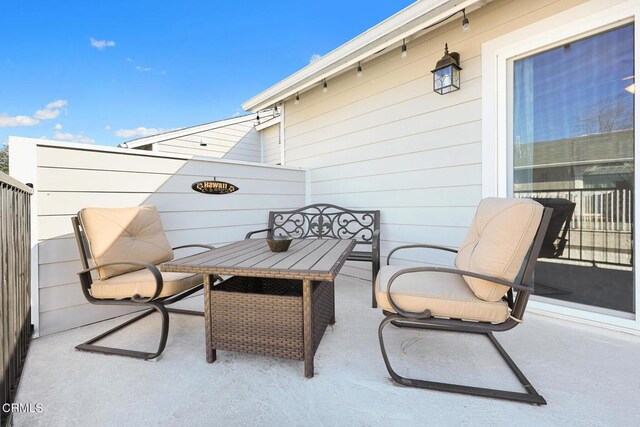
{"x":213,"y":187}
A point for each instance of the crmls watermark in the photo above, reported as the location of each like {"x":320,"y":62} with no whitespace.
{"x":22,"y":407}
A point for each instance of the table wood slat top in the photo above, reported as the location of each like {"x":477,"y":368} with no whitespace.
{"x":310,"y":259}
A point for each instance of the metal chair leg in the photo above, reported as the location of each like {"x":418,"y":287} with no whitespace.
{"x":531,"y":396}
{"x":159,"y":306}
{"x":187,"y":312}
{"x":89,"y":345}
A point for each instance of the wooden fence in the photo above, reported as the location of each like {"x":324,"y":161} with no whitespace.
{"x":15,"y":285}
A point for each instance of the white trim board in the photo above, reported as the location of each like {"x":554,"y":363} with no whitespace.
{"x":177,"y":133}
{"x":283,"y":144}
{"x":269,"y":123}
{"x":572,"y":23}
{"x":103,"y":148}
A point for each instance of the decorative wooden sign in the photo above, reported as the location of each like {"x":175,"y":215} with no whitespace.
{"x":214,"y":187}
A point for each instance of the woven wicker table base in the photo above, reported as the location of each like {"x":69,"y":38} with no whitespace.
{"x":266,"y":316}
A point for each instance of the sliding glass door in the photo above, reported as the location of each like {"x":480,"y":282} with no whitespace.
{"x":572,"y":148}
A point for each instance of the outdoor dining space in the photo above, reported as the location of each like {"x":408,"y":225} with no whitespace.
{"x":584,"y":373}
{"x":245,"y":314}
{"x":305,"y":320}
{"x":421,"y":226}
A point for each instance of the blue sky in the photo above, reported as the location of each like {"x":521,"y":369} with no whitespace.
{"x":89,"y":71}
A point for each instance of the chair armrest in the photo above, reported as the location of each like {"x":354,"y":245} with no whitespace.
{"x":251,"y":233}
{"x":441,"y":248}
{"x":86,"y":275}
{"x":195,"y":245}
{"x":427,"y":313}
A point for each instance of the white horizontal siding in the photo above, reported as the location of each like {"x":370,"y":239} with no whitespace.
{"x":271,"y":144}
{"x":387,"y":141}
{"x":239,"y":141}
{"x":69,"y":179}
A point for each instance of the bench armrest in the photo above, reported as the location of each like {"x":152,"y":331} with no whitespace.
{"x":251,"y":233}
{"x":85,"y":278}
{"x":441,"y":248}
{"x":375,"y":247}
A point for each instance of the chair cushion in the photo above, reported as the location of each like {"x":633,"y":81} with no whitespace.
{"x":446,"y":295}
{"x":125,"y":234}
{"x":142,"y":283}
{"x":497,"y":243}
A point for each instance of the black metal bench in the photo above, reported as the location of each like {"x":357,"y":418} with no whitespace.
{"x":324,"y":221}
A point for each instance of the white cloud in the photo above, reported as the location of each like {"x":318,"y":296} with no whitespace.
{"x":142,"y":69}
{"x":101,"y":44}
{"x":7,"y":121}
{"x":57,"y":104}
{"x":129,"y":60}
{"x":46,"y":114}
{"x":314,"y":58}
{"x":80,"y":137}
{"x":139,"y":131}
{"x":51,"y":110}
{"x":58,"y":126}
{"x":107,"y":127}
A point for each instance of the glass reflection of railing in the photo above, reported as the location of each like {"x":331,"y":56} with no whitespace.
{"x":601,"y":226}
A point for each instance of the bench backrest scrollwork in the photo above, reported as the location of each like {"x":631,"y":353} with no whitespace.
{"x":324,"y":221}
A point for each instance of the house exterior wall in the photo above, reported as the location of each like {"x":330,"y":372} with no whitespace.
{"x":238,"y":141}
{"x":69,"y":177}
{"x":271,"y":144}
{"x":387,"y":141}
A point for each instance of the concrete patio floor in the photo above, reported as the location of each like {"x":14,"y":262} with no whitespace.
{"x":588,"y":375}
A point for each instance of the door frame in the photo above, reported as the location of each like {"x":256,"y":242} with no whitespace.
{"x":496,"y":54}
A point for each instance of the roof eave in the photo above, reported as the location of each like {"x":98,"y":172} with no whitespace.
{"x":387,"y":33}
{"x":176,"y":133}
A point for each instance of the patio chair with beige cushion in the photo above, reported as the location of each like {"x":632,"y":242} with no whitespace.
{"x":124,"y":246}
{"x":495,"y":260}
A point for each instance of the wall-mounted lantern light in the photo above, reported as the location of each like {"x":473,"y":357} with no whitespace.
{"x":446,"y":75}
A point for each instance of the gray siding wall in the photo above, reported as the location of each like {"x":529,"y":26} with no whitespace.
{"x":70,"y":178}
{"x":387,"y":141}
{"x":271,"y":144}
{"x":238,"y":141}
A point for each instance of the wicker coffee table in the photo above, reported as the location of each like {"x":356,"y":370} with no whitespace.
{"x":276,"y":304}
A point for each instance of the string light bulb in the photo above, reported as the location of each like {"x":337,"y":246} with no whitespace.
{"x":359,"y":73}
{"x":325,"y":88}
{"x":297,"y":101}
{"x":466,"y":26}
{"x":403,"y":55}
{"x":275,"y":109}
